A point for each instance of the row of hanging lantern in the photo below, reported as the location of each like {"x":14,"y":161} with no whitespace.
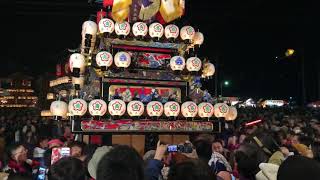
{"x":155,"y":30}
{"x":117,"y":107}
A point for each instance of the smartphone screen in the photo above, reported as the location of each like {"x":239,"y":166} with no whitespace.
{"x":172,"y":148}
{"x":58,"y":153}
{"x":41,"y":174}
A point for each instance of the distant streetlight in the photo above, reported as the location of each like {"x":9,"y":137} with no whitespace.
{"x":224,"y":83}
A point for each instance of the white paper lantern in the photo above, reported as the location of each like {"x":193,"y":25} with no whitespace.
{"x":177,"y":63}
{"x":59,"y":108}
{"x":140,"y":29}
{"x":106,"y":25}
{"x":220,"y":110}
{"x":97,"y":107}
{"x":78,"y":81}
{"x":117,"y":107}
{"x":156,"y":30}
{"x":77,"y":61}
{"x":171,"y":109}
{"x":194,"y":64}
{"x":122,"y":28}
{"x":77,"y":107}
{"x":171,"y":31}
{"x":89,"y":27}
{"x":198,"y":38}
{"x":122,"y":59}
{"x":104,"y":59}
{"x":232,"y":114}
{"x":135,"y":108}
{"x":189,"y":109}
{"x":187,"y":33}
{"x":205,"y":110}
{"x":208,"y":70}
{"x":154,"y":108}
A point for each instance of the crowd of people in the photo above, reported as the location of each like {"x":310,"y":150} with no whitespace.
{"x":285,"y":145}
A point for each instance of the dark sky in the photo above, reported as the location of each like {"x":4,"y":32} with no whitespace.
{"x":244,"y":36}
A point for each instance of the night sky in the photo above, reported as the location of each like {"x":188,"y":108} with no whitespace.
{"x":244,"y":36}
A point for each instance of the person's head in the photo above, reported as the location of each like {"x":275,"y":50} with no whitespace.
{"x":43,"y":142}
{"x":248,"y":157}
{"x":191,"y":170}
{"x":55,"y":143}
{"x":18,"y":152}
{"x":122,"y":162}
{"x":67,"y":168}
{"x":217,"y":146}
{"x":242,"y":138}
{"x":203,"y":146}
{"x":28,"y":121}
{"x":76,"y":148}
{"x":297,"y":168}
{"x":95,"y":159}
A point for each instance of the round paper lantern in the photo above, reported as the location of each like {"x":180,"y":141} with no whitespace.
{"x":78,"y":82}
{"x":97,"y":107}
{"x":232,"y":114}
{"x":198,"y":38}
{"x":122,"y":28}
{"x":104,"y":59}
{"x":140,"y":29}
{"x":208,"y":70}
{"x":194,"y":64}
{"x":89,"y":27}
{"x":77,"y":63}
{"x":156,"y":30}
{"x":187,"y":33}
{"x":177,"y":63}
{"x":189,"y":109}
{"x":122,"y":59}
{"x":171,"y":31}
{"x":154,"y":108}
{"x":220,"y":110}
{"x":77,"y":107}
{"x":117,"y":107}
{"x":205,"y":110}
{"x":135,"y":108}
{"x":171,"y":109}
{"x":59,"y":108}
{"x":106,"y":25}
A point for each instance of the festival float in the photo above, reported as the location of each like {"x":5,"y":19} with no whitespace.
{"x":137,"y":72}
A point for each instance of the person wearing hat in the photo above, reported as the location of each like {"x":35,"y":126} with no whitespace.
{"x":55,"y":143}
{"x":94,"y":162}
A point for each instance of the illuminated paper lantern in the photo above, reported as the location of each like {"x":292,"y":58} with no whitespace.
{"x":59,"y":108}
{"x":189,"y":109}
{"x":177,"y":63}
{"x":194,"y":64}
{"x":187,"y":33}
{"x":156,"y":30}
{"x":220,"y":110}
{"x":171,"y":109}
{"x":232,"y":114}
{"x":154,"y":108}
{"x":77,"y":107}
{"x":77,"y":64}
{"x":205,"y":110}
{"x":106,"y":26}
{"x":89,"y":32}
{"x":117,"y":107}
{"x":171,"y":31}
{"x":97,"y":107}
{"x":122,"y":59}
{"x":89,"y":27}
{"x":198,"y":38}
{"x":122,"y":28}
{"x":208,"y":70}
{"x":140,"y":29}
{"x":104,"y":59}
{"x":135,"y":108}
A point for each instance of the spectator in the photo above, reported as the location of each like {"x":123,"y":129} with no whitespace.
{"x":55,"y":143}
{"x":122,"y":162}
{"x":67,"y":168}
{"x":76,"y":149}
{"x":96,"y":157}
{"x":38,"y":152}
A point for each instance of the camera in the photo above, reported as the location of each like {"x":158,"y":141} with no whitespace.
{"x":182,"y":148}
